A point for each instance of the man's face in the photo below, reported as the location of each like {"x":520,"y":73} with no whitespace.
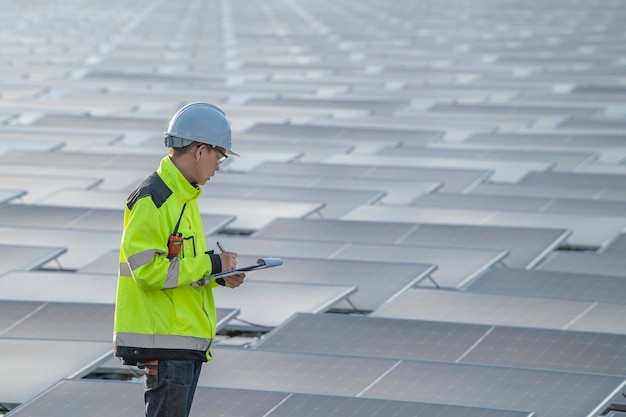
{"x":208,"y":161}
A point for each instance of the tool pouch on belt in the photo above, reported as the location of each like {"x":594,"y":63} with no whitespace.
{"x":150,"y":368}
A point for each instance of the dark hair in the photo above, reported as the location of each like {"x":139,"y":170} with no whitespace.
{"x":185,"y":149}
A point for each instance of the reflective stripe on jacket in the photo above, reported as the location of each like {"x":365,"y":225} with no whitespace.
{"x":161,"y":312}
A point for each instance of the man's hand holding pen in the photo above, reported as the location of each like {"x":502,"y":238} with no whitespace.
{"x":229,"y":262}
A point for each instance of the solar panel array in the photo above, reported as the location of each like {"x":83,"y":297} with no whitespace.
{"x":446,"y":182}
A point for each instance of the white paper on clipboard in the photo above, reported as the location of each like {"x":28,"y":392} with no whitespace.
{"x":261,"y":263}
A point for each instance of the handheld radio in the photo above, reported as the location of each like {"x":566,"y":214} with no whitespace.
{"x":176,"y":239}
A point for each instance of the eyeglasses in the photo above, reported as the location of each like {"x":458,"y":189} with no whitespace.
{"x":222,"y":156}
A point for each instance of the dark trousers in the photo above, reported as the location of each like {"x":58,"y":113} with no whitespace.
{"x":169,"y":387}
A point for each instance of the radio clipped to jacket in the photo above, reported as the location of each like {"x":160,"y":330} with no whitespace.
{"x":176,"y":240}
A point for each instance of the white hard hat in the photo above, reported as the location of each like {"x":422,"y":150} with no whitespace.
{"x":199,"y":122}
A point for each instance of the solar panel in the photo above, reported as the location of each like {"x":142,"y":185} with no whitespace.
{"x":364,"y":275}
{"x":548,"y":393}
{"x":500,"y":108}
{"x":574,"y":351}
{"x":557,"y":350}
{"x":8,"y":195}
{"x":395,"y":338}
{"x":68,"y":321}
{"x":39,"y":187}
{"x":82,"y":246}
{"x":51,"y":216}
{"x":395,"y":192}
{"x":454,"y":265}
{"x":384,"y":106}
{"x":112,"y":160}
{"x":575,"y":179}
{"x":480,"y":202}
{"x":523,"y":190}
{"x":585,"y":262}
{"x":600,"y":124}
{"x":335,"y":230}
{"x":105,"y":219}
{"x":266,"y":304}
{"x":503,"y":170}
{"x":315,"y":131}
{"x":99,"y":122}
{"x":454,"y":179}
{"x":252,"y":215}
{"x":550,"y":284}
{"x":464,"y":307}
{"x":604,"y":317}
{"x":336,"y":201}
{"x":588,"y":231}
{"x":52,"y":286}
{"x":76,"y":398}
{"x":525,"y":246}
{"x":111,"y":179}
{"x":324,"y":406}
{"x":292,"y":372}
{"x":18,"y":257}
{"x":30,"y":366}
{"x":564,"y":160}
{"x":101,"y":289}
{"x":617,"y":246}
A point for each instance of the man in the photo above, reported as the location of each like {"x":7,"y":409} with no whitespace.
{"x":165,"y":316}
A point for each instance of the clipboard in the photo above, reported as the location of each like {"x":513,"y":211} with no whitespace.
{"x":261,"y":263}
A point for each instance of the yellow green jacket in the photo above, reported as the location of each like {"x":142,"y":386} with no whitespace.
{"x":163,"y":309}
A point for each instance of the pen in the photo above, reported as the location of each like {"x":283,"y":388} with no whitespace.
{"x":219,"y":245}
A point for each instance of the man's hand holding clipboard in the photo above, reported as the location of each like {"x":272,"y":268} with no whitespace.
{"x":232,"y":278}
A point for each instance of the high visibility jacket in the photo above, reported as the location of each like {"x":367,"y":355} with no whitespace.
{"x":164,"y":307}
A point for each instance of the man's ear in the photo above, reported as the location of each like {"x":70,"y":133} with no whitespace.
{"x":198,"y":151}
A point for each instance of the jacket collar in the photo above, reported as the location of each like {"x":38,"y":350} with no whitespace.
{"x":176,"y":181}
